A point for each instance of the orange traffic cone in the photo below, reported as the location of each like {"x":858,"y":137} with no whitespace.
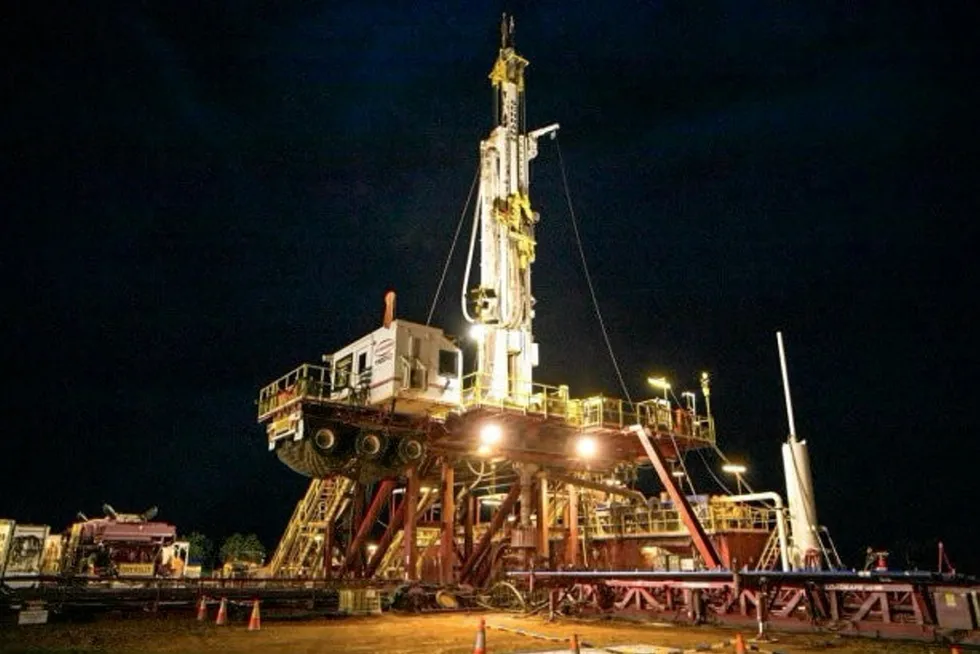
{"x":575,"y":647}
{"x":739,"y":644}
{"x":255,"y":621}
{"x":202,"y":610}
{"x":480,"y":647}
{"x":222,"y":612}
{"x":955,"y":649}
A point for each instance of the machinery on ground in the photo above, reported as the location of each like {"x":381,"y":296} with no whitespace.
{"x":115,"y":545}
{"x":123,"y":545}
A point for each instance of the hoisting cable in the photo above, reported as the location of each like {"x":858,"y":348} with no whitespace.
{"x":713,"y":475}
{"x":588,"y":277}
{"x":452,"y":248}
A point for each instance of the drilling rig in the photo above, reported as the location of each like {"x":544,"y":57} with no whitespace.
{"x":491,"y":470}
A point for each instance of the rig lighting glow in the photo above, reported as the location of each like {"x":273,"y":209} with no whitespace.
{"x":586,"y":447}
{"x":491,"y":433}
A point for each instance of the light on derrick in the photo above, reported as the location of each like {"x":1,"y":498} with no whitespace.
{"x":476,"y":332}
{"x":491,"y":434}
{"x":586,"y":447}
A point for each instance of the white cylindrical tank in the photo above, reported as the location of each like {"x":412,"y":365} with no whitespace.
{"x":802,"y":505}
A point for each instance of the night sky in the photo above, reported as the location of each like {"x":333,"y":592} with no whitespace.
{"x":200,"y":196}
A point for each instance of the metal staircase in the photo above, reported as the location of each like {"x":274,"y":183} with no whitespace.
{"x":770,"y":553}
{"x":300,"y":551}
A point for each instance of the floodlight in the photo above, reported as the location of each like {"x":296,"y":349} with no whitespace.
{"x":491,"y":433}
{"x":586,"y":447}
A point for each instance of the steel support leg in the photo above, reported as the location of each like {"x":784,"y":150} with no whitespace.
{"x":571,"y":542}
{"x":381,"y":496}
{"x":543,"y":507}
{"x":447,"y":546}
{"x":698,"y":535}
{"x":498,"y":519}
{"x":411,"y":556}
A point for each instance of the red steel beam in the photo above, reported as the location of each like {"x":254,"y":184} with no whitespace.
{"x":411,"y":552}
{"x":468,"y":527}
{"x":498,"y":519}
{"x":447,"y":549}
{"x":395,"y":523}
{"x":698,"y":535}
{"x":571,"y":539}
{"x":380,"y":498}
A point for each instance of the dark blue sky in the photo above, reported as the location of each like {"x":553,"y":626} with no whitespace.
{"x":200,"y":197}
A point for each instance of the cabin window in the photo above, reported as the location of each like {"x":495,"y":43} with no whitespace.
{"x":362,"y":363}
{"x":448,"y":363}
{"x":341,"y":372}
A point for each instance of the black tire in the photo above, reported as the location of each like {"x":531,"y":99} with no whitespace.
{"x":410,"y":450}
{"x":371,"y":445}
{"x":325,"y":440}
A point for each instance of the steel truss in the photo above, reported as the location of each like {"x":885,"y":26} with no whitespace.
{"x":922,"y":606}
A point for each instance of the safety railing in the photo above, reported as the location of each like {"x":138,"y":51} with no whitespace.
{"x":308,"y":381}
{"x":620,"y":519}
{"x":596,"y":412}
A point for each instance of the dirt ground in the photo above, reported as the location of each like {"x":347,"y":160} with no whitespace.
{"x":398,"y":634}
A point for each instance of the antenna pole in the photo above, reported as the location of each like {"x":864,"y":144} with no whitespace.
{"x":789,"y":400}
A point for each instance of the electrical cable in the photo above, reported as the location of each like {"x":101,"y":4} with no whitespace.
{"x":452,"y":248}
{"x":588,"y":277}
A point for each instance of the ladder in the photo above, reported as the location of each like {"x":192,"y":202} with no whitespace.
{"x":770,"y":553}
{"x":829,"y":549}
{"x":300,"y":551}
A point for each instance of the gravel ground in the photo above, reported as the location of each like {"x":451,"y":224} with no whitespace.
{"x":396,"y":634}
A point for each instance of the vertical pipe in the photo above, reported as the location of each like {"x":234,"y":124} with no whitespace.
{"x":409,"y":540}
{"x":543,"y":507}
{"x":526,"y":496}
{"x":471,"y":508}
{"x":789,"y":400}
{"x":447,"y":554}
{"x":571,"y":541}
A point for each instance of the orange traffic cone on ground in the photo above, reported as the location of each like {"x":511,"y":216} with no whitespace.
{"x":575,"y":647}
{"x":480,"y":647}
{"x":202,"y":609}
{"x":955,"y":649}
{"x":255,"y":620}
{"x":222,"y":612}
{"x":739,"y":644}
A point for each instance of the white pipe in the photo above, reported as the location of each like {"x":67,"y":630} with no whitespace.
{"x":780,"y":518}
{"x":789,"y":400}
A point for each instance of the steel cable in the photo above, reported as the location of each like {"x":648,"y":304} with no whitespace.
{"x":588,"y":277}
{"x":452,"y":248}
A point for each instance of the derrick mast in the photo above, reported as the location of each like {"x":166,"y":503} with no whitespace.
{"x":502,"y":305}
